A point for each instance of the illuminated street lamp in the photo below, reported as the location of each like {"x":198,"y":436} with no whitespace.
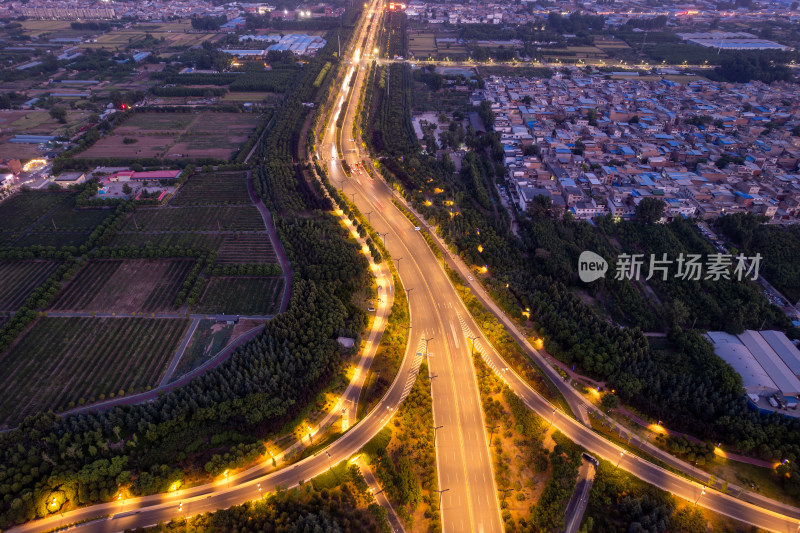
{"x":698,"y":498}
{"x":620,"y":458}
{"x":227,"y":479}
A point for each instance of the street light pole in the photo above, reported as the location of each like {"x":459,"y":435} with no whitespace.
{"x":491,"y":433}
{"x":472,"y":346}
{"x":620,"y":459}
{"x":504,"y":491}
{"x":383,"y":236}
{"x":435,"y":429}
{"x":369,"y":221}
{"x":552,"y":418}
{"x":702,"y":493}
{"x":440,"y":496}
{"x":426,"y":345}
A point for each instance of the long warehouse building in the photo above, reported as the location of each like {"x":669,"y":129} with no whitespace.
{"x":767,"y":361}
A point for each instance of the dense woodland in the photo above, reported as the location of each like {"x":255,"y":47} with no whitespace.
{"x":687,"y":386}
{"x":779,"y":248}
{"x":620,"y":502}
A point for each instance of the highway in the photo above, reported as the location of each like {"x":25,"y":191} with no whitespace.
{"x":464,"y":464}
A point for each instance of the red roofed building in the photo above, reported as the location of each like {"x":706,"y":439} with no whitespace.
{"x":127,"y":175}
{"x":157,"y":175}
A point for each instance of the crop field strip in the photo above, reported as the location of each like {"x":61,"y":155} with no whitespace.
{"x":242,"y":296}
{"x":214,"y":189}
{"x":195,"y":241}
{"x":86,"y":283}
{"x":56,"y":239}
{"x":65,"y":218}
{"x":231,"y":218}
{"x":246,"y":248}
{"x":23,"y":209}
{"x":166,"y":288}
{"x":61,"y":360}
{"x":125,"y":286}
{"x":19,"y":278}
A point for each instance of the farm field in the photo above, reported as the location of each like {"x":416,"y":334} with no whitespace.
{"x":125,"y":286}
{"x":63,"y":360}
{"x":37,"y":122}
{"x":56,"y":239}
{"x":249,"y":96}
{"x":422,"y":44}
{"x":25,"y":208}
{"x":246,"y":248}
{"x":177,"y":135}
{"x":66,"y":218}
{"x":19,"y":278}
{"x":214,"y":188}
{"x":242,"y":296}
{"x":230,"y":218}
{"x":197,"y":241}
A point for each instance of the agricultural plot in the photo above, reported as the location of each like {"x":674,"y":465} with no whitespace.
{"x":230,"y":218}
{"x":195,"y":241}
{"x":246,"y":249}
{"x":249,"y":97}
{"x":66,"y":218}
{"x":177,"y":135}
{"x":57,"y":240}
{"x":25,"y":208}
{"x":125,"y":286}
{"x":242,"y":296}
{"x":19,"y":278}
{"x":218,"y":188}
{"x":64,"y":360}
{"x":216,"y":135}
{"x":422,"y":44}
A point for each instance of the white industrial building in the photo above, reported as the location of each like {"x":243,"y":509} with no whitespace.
{"x":767,"y":361}
{"x":787,"y":351}
{"x":736,"y":354}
